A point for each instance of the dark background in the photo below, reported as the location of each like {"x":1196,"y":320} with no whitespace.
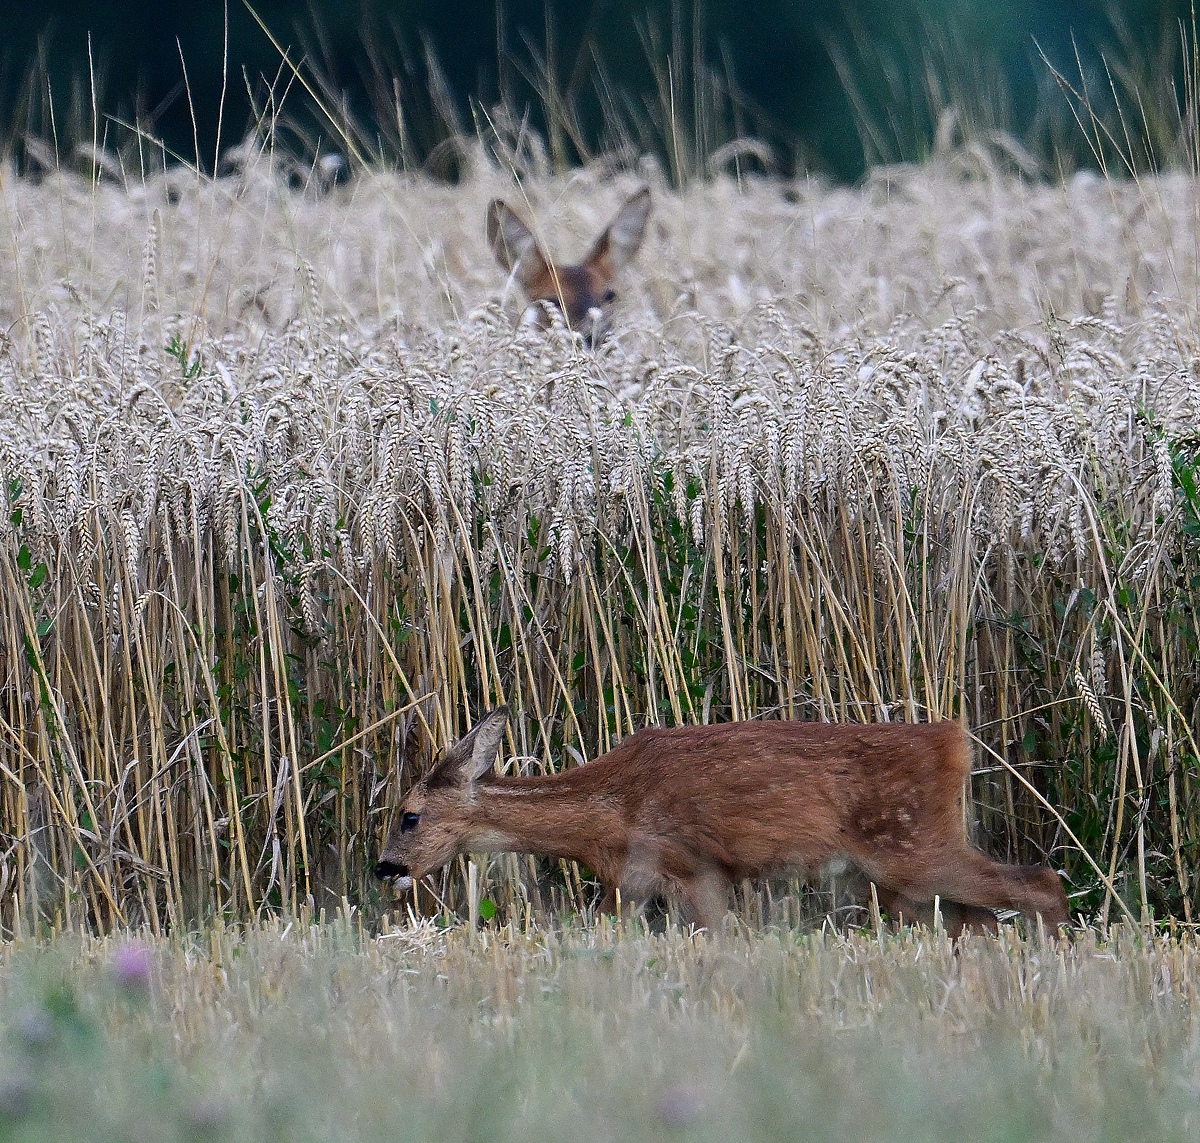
{"x":780,"y":53}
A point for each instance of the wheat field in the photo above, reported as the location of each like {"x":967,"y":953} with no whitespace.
{"x":291,"y":496}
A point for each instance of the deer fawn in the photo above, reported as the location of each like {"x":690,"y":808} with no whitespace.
{"x":583,"y":293}
{"x":685,"y":812}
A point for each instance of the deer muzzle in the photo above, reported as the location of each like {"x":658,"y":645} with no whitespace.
{"x":395,"y":873}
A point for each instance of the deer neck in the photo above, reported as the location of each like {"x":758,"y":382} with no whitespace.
{"x":549,"y":816}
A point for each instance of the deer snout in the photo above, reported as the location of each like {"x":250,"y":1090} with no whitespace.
{"x":385,"y":870}
{"x":594,"y":326}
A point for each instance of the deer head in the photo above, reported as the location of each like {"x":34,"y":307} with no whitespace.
{"x":582,"y":292}
{"x":434,"y":820}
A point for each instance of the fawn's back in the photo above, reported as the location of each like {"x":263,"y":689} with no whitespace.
{"x":755,"y":797}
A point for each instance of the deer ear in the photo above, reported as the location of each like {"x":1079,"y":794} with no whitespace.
{"x":514,"y":245}
{"x":472,"y":755}
{"x":623,"y":236}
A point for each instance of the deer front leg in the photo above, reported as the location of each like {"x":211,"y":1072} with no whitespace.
{"x":612,"y":897}
{"x":705,"y":898}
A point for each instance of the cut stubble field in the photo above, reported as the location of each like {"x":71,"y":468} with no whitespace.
{"x":290,"y":498}
{"x":323,"y":1032}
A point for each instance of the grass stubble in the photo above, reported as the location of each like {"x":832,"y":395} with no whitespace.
{"x":322,"y":1031}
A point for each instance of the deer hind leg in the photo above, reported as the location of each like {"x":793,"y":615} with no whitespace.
{"x":957,"y":918}
{"x":972,"y":879}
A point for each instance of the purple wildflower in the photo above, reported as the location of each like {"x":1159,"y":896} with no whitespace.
{"x":131,"y":969}
{"x":679,"y":1105}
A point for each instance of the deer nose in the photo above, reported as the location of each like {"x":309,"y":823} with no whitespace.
{"x":594,"y":327}
{"x":386,"y":869}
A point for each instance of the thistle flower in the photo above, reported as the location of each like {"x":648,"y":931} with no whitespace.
{"x":131,"y":969}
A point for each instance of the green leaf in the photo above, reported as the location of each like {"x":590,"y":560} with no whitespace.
{"x":487,"y":908}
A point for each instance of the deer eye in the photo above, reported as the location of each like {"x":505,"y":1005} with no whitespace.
{"x":409,"y":822}
{"x":608,"y":297}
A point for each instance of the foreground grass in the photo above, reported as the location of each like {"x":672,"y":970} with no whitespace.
{"x":322,"y":1032}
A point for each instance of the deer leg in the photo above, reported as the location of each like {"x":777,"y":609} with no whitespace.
{"x":957,"y":918}
{"x":607,"y":905}
{"x":972,"y":878}
{"x":705,"y":897}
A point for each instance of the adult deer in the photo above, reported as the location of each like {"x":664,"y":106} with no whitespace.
{"x":582,"y":292}
{"x":685,"y":812}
